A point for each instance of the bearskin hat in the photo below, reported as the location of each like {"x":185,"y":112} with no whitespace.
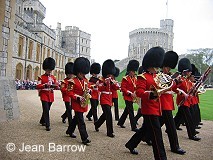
{"x":170,"y":59}
{"x":81,"y":65}
{"x":132,"y":65}
{"x":117,"y":72}
{"x":153,"y":58}
{"x":108,"y":67}
{"x":184,"y":65}
{"x":49,"y":64}
{"x":69,"y":68}
{"x":140,"y":70}
{"x":95,"y":68}
{"x":195,"y":71}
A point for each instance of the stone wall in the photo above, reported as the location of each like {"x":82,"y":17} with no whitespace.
{"x":8,"y":96}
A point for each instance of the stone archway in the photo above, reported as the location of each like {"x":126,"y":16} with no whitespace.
{"x":29,"y":72}
{"x":36,"y":73}
{"x":19,"y":71}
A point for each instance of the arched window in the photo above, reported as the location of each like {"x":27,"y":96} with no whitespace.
{"x":44,"y":53}
{"x":30,"y":51}
{"x":29,"y":72}
{"x":19,"y":71}
{"x":20,"y":46}
{"x":38,"y":50}
{"x":36,"y":73}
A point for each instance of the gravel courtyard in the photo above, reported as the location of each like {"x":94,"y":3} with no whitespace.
{"x":27,"y":130}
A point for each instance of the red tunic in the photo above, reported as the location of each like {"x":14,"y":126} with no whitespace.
{"x":166,"y":99}
{"x":128,"y":85}
{"x":114,"y":94}
{"x":106,"y":91}
{"x":94,"y":88}
{"x":64,"y":90}
{"x":185,"y":85}
{"x":46,"y":94}
{"x":78,"y":90}
{"x":144,"y":85}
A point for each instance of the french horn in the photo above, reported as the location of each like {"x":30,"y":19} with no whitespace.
{"x":163,"y":81}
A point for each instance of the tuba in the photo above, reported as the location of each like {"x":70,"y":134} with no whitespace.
{"x":163,"y":81}
{"x":86,"y":96}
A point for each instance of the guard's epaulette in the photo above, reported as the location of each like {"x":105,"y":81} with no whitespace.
{"x":101,"y":78}
{"x":63,"y":81}
{"x":71,"y":81}
{"x":39,"y":78}
{"x":142,"y":75}
{"x":125,"y":77}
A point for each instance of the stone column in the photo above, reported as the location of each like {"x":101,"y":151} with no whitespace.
{"x":8,"y":96}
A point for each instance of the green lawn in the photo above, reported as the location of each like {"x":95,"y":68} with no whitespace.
{"x":206,"y":104}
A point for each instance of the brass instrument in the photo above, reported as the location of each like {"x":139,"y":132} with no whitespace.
{"x":70,"y":85}
{"x":136,"y":99}
{"x":86,"y":96}
{"x":201,"y":89}
{"x":163,"y":81}
{"x":197,"y":85}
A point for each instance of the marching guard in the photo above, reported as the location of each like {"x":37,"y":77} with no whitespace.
{"x":94,"y":100}
{"x":128,"y":88}
{"x":46,"y":84}
{"x":115,"y":96}
{"x":183,"y":100}
{"x":150,"y":104}
{"x":66,"y":86}
{"x":106,"y":85}
{"x":79,"y":97}
{"x":167,"y":103}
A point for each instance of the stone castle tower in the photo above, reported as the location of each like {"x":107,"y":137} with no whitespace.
{"x":142,"y":39}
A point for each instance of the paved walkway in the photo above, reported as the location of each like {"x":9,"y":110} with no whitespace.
{"x":27,"y":131}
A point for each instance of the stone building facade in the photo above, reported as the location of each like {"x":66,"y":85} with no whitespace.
{"x":142,"y":39}
{"x":34,"y":41}
{"x":8,"y":96}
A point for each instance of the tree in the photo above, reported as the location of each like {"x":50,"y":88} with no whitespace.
{"x":201,"y":58}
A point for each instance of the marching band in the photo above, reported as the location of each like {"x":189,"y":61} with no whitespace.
{"x":153,"y":89}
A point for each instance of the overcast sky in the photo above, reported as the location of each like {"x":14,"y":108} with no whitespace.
{"x":110,"y":21}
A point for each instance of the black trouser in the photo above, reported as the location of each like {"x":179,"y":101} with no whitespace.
{"x":197,"y":113}
{"x":45,"y":118}
{"x":193,"y":113}
{"x":152,"y":125}
{"x":128,"y":111}
{"x":93,"y":109}
{"x":68,"y":112}
{"x":167,"y":119}
{"x":78,"y":119}
{"x":106,"y":115}
{"x":184,"y":113}
{"x":139,"y":115}
{"x":115,"y":102}
{"x":141,"y":134}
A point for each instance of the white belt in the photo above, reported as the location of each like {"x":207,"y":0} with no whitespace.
{"x":106,"y":92}
{"x":47,"y":89}
{"x":95,"y":89}
{"x":169,"y":92}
